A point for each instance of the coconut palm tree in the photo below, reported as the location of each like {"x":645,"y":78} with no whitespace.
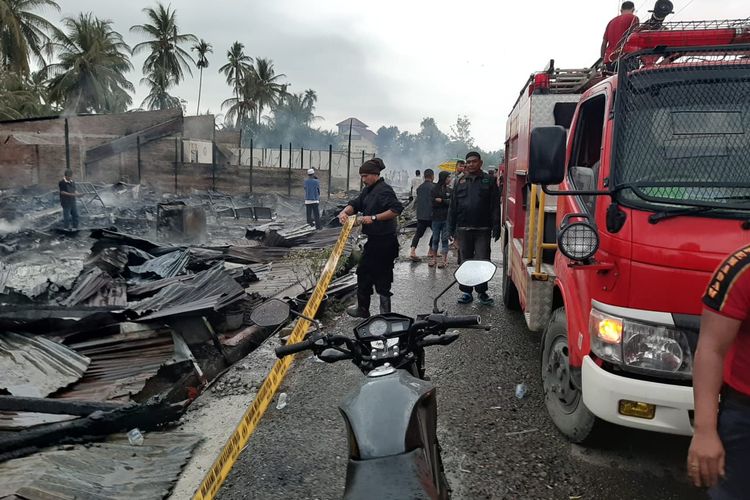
{"x":238,"y":67}
{"x":21,"y":97}
{"x":202,"y":48}
{"x":24,"y":33}
{"x":267,"y":88}
{"x":244,"y":106}
{"x":158,"y":96}
{"x":164,"y":43}
{"x":90,"y":73}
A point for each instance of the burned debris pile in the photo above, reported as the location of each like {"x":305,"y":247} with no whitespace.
{"x":105,"y":330}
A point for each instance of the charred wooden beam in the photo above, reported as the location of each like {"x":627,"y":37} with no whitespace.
{"x":56,"y":406}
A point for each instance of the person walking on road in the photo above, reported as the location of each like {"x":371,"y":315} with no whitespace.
{"x":312,"y":199}
{"x":473,"y":218}
{"x":68,"y":201}
{"x":616,"y":30}
{"x":441,"y":194}
{"x":719,"y":454}
{"x":424,"y":215}
{"x":379,"y":207}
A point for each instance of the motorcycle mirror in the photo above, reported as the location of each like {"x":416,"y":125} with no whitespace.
{"x":475,"y":272}
{"x":270,"y":313}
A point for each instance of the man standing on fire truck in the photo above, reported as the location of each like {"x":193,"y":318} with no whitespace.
{"x":719,"y":455}
{"x":474,"y":217}
{"x":614,"y":33}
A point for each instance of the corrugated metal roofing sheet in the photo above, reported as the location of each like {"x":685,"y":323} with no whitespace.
{"x":166,"y":266}
{"x":120,"y":363}
{"x":112,"y":469}
{"x":34,"y":366}
{"x":211,"y":289}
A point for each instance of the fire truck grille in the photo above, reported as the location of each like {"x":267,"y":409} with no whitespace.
{"x":683,"y":127}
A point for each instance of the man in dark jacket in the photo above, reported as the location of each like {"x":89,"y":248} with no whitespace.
{"x":474,"y":217}
{"x":424,"y":214}
{"x":379,"y":207}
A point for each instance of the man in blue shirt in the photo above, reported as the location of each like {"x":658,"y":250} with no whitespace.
{"x":312,"y":199}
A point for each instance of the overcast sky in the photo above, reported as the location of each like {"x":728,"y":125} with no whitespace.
{"x":394,"y":62}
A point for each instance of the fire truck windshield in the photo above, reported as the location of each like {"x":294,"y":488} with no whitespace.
{"x":683,"y":135}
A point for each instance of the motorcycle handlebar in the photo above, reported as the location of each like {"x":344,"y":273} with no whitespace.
{"x":288,"y":349}
{"x":455,"y":321}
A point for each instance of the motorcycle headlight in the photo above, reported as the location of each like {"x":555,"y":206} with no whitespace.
{"x":640,"y":346}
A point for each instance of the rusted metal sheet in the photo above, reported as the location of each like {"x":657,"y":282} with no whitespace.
{"x":166,"y":266}
{"x":34,"y":366}
{"x":96,"y":288}
{"x":111,"y":469}
{"x":120,"y":363}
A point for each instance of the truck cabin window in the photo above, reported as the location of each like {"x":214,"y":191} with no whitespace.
{"x":683,"y":136}
{"x":587,"y":148}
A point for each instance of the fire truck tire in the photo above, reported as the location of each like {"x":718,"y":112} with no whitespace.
{"x":562,"y":396}
{"x":510,"y":292}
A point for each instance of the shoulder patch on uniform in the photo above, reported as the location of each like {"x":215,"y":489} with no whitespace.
{"x":724,"y":278}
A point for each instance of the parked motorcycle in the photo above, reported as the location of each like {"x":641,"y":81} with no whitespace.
{"x":391,"y":418}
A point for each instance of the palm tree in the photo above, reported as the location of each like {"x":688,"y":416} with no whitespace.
{"x":202,"y":48}
{"x":90,"y":74}
{"x":238,"y":67}
{"x":23,"y":33}
{"x":267,"y":89}
{"x":21,"y":97}
{"x":244,"y":105}
{"x":158,"y":96}
{"x":164,"y":42}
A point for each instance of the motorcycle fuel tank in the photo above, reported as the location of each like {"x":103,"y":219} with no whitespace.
{"x":382,"y":413}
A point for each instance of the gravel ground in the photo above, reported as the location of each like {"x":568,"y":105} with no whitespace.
{"x":299,"y":451}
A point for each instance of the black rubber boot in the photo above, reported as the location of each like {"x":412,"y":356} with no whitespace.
{"x":385,"y":304}
{"x":361,"y":309}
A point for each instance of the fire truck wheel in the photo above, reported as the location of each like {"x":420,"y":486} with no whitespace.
{"x":510,"y":292}
{"x":562,"y":396}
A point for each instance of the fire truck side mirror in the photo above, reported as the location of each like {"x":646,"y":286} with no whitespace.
{"x":547,"y":155}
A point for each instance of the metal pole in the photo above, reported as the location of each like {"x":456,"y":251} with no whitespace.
{"x":251,"y":164}
{"x":362,"y":184}
{"x":176,"y":145}
{"x":280,"y":146}
{"x":301,"y":158}
{"x":239,"y":157}
{"x":67,"y":146}
{"x":330,"y":168}
{"x":138,"y":152}
{"x":349,"y":156}
{"x":289,"y":174}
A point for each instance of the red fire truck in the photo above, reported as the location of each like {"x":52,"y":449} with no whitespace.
{"x":623,"y":191}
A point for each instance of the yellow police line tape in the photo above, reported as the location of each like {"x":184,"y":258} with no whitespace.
{"x":225,"y":461}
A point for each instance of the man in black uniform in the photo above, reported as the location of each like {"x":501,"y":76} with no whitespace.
{"x":474,"y":217}
{"x":68,"y":197}
{"x":379,"y":207}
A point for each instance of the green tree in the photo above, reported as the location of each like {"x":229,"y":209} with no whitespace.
{"x":21,"y":97}
{"x":158,"y":96}
{"x":265,"y":85}
{"x":202,"y":49}
{"x":24,"y":33}
{"x":90,"y":73}
{"x":237,"y":69}
{"x":167,"y":62}
{"x":461,"y":131}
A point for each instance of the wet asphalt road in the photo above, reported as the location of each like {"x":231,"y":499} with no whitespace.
{"x":300,"y":451}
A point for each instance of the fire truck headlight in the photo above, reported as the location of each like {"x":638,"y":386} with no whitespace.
{"x":656,"y":348}
{"x":606,"y":336}
{"x":578,"y":240}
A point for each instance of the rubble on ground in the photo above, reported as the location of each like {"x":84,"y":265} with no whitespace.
{"x":126,"y":321}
